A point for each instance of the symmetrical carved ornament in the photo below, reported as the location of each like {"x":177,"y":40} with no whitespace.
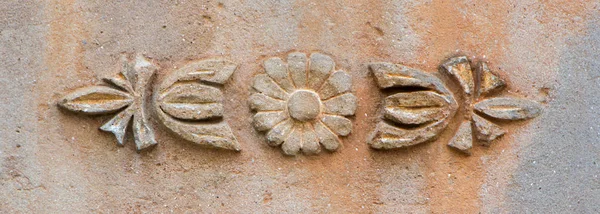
{"x":302,"y":104}
{"x":126,"y":94}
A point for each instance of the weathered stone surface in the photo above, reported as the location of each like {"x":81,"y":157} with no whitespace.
{"x":460,"y":68}
{"x":485,"y":130}
{"x":488,"y":81}
{"x":54,"y":161}
{"x":463,"y":139}
{"x":300,"y":118}
{"x":509,"y":108}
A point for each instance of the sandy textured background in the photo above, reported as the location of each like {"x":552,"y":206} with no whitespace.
{"x":56,"y":161}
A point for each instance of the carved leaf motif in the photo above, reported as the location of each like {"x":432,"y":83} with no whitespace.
{"x":463,"y":139}
{"x":210,"y":70}
{"x":387,"y":136}
{"x":415,"y":107}
{"x":96,"y":100}
{"x":489,"y":82}
{"x":183,"y":95}
{"x":460,"y":68}
{"x":509,"y":108}
{"x":485,"y":130}
{"x":217,"y":135}
{"x":193,"y":101}
{"x":394,"y":75}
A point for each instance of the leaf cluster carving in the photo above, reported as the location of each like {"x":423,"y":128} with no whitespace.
{"x":125,"y":94}
{"x":189,"y":104}
{"x":477,"y":84}
{"x":420,"y":115}
{"x":428,"y":108}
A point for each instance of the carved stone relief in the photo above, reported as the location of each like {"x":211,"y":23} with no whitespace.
{"x":414,"y":116}
{"x":421,"y":112}
{"x":125,"y":94}
{"x":477,"y":85}
{"x":303,"y":104}
{"x":189,"y":103}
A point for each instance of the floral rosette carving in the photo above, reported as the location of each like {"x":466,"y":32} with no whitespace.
{"x":189,"y":103}
{"x":303,"y":104}
{"x":418,"y":113}
{"x":477,"y":85}
{"x":125,"y":93}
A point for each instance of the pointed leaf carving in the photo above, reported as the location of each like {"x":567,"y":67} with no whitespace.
{"x":460,"y":68}
{"x":509,"y":108}
{"x":415,"y":107}
{"x":488,"y":81}
{"x":390,"y":75}
{"x":118,"y":125}
{"x":486,"y":130}
{"x":387,"y":136}
{"x":210,"y":70}
{"x":192,"y":101}
{"x":463,"y":139}
{"x":95,"y":100}
{"x":217,"y":135}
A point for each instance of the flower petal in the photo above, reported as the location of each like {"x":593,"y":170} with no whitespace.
{"x":264,"y":121}
{"x":328,"y":139}
{"x":320,"y":67}
{"x":488,"y":82}
{"x":142,"y":133}
{"x":297,"y":68}
{"x":118,"y":125}
{"x":340,"y":125}
{"x":293,"y":143}
{"x":344,"y":105}
{"x":463,"y":139}
{"x":339,"y":82}
{"x":310,"y":142}
{"x":509,"y":108}
{"x":261,"y":102}
{"x":460,"y":68}
{"x":415,"y":107}
{"x":277,"y":70}
{"x":96,"y":100}
{"x":267,"y":86}
{"x":280,"y":132}
{"x":486,"y":130}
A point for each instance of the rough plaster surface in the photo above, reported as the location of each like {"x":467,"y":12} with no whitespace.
{"x":52,"y":160}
